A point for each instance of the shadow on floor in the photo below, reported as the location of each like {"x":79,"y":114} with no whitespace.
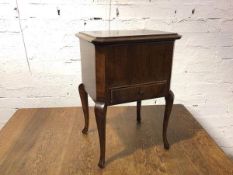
{"x":182,"y":126}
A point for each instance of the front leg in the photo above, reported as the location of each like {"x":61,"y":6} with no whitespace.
{"x":169,"y":102}
{"x":100,"y":116}
{"x":84,"y":100}
{"x":139,"y":111}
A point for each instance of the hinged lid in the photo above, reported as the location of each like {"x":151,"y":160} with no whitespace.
{"x":113,"y":36}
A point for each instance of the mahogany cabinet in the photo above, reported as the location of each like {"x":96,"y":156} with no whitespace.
{"x":125,"y":66}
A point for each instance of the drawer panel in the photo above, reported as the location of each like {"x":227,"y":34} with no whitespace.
{"x":137,"y":92}
{"x":138,"y":63}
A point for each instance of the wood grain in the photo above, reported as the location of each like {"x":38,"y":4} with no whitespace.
{"x":50,"y":142}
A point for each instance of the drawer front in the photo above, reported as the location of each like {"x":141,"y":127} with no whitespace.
{"x":137,"y":92}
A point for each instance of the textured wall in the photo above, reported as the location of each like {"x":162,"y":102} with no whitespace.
{"x":40,"y":59}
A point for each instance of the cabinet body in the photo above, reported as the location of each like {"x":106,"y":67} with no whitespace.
{"x":118,"y":73}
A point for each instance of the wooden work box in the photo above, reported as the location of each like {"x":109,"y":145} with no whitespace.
{"x":125,"y":66}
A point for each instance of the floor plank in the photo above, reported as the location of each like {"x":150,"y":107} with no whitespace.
{"x":49,"y":142}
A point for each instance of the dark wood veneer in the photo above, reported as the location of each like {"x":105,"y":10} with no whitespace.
{"x":125,"y":66}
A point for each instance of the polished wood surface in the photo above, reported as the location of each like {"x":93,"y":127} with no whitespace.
{"x":88,"y":67}
{"x":115,"y":36}
{"x":50,"y":142}
{"x":85,"y":107}
{"x":139,"y":104}
{"x":126,"y":66}
{"x":168,"y":108}
{"x":137,"y":63}
{"x":100,"y":116}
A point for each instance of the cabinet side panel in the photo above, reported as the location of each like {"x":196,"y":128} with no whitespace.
{"x":88,"y":67}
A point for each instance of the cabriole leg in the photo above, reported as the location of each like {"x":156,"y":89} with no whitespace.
{"x":139,"y":111}
{"x":100,"y":115}
{"x":169,"y":103}
{"x":84,"y":100}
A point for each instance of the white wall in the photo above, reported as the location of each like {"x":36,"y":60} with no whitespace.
{"x":40,"y":59}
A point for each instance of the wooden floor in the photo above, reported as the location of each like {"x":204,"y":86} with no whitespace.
{"x":50,"y":142}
